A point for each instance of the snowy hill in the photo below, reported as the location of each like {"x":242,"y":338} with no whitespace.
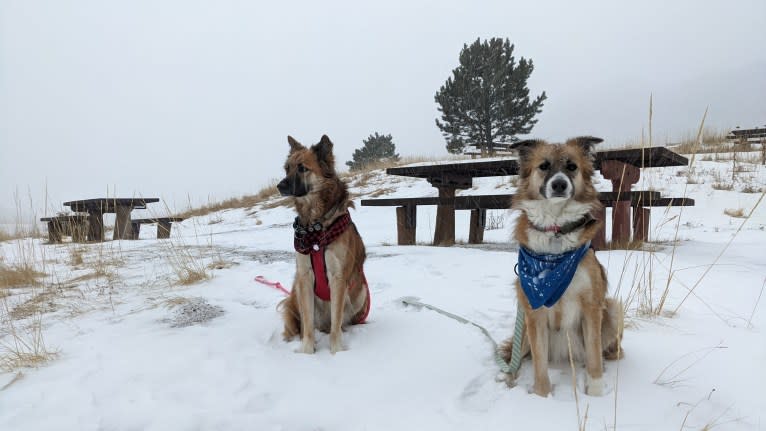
{"x":115,"y":329}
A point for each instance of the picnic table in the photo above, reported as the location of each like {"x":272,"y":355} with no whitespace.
{"x":96,"y":208}
{"x":621,"y":167}
{"x":757,"y":134}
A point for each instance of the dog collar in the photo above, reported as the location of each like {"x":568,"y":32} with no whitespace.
{"x":583,"y":222}
{"x":315,"y":237}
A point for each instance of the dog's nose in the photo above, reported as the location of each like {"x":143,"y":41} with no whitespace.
{"x":559,"y":186}
{"x":284,"y":187}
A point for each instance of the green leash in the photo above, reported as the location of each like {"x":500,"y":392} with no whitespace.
{"x":511,"y":368}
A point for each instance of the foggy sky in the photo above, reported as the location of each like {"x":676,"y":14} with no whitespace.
{"x":193,"y":100}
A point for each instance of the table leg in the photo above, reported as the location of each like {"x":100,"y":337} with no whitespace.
{"x":623,"y":176}
{"x":135,"y":230}
{"x":406,"y":221}
{"x":478,"y":223}
{"x":641,"y":224}
{"x":95,"y":225}
{"x":444,"y":234}
{"x":122,"y":227}
{"x":54,"y":234}
{"x":163,"y":229}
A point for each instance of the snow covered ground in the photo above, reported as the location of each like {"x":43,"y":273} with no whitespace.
{"x":123,"y":362}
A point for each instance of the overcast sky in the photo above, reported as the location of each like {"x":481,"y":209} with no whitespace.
{"x":195,"y":98}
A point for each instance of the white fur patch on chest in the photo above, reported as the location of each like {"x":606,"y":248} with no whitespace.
{"x":550,"y":212}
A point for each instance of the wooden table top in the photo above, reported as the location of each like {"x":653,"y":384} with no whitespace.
{"x":639,"y":157}
{"x":108,"y":205}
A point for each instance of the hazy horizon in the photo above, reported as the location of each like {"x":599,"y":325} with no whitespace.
{"x":188,"y":101}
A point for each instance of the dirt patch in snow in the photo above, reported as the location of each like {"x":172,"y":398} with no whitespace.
{"x":194,"y":312}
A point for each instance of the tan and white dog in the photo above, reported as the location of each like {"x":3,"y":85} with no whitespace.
{"x":556,"y":197}
{"x":330,"y":290}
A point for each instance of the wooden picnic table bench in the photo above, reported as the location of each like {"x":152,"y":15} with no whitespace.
{"x":73,"y":225}
{"x":621,"y":167}
{"x":164,"y":224}
{"x":406,"y":212}
{"x":120,"y":206}
{"x":757,"y":134}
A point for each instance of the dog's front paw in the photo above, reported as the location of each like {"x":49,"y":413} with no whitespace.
{"x":594,"y":386}
{"x":307,"y":348}
{"x":542,"y":388}
{"x":336,"y":345}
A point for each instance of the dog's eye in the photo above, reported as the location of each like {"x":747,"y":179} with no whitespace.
{"x":302,"y":168}
{"x":545,"y":166}
{"x":571,"y":167}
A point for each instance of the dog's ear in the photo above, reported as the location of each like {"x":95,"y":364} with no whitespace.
{"x":586,"y":143}
{"x":526,"y":146}
{"x":294,"y":145}
{"x":323,"y":152}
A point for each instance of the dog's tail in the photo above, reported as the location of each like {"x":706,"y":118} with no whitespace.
{"x":291,"y":317}
{"x":611,"y":329}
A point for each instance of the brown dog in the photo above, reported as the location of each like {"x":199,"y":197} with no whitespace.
{"x":556,"y":198}
{"x":330,"y":290}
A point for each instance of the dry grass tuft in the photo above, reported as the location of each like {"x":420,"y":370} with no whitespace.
{"x":22,"y":346}
{"x":175,"y":301}
{"x":247,"y":201}
{"x":75,"y":256}
{"x":722,"y":186}
{"x":5,"y":235}
{"x":21,"y":232}
{"x":707,"y":140}
{"x":220,"y":264}
{"x":19,"y":275}
{"x":750,"y":188}
{"x":738,"y":213}
{"x":188,"y":275}
{"x":187,"y":265}
{"x":40,"y":303}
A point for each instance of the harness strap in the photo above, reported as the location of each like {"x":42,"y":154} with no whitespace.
{"x":321,"y":283}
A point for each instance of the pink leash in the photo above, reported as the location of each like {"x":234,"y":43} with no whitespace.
{"x":275,"y":284}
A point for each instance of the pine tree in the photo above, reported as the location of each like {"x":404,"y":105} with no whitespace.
{"x":485,"y":103}
{"x":376,"y":148}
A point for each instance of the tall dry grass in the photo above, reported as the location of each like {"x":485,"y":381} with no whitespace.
{"x":248,"y":201}
{"x":641,"y":262}
{"x":21,"y":274}
{"x":23,"y":346}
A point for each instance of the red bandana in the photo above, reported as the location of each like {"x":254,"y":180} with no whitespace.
{"x":314,"y":244}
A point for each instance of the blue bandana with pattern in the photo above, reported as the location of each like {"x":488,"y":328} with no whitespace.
{"x":545,"y":277}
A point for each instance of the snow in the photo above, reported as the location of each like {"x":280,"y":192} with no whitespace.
{"x":122,"y":363}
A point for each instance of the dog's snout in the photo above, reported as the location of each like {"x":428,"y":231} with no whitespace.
{"x":293,"y":185}
{"x":284,"y":187}
{"x":559,"y":185}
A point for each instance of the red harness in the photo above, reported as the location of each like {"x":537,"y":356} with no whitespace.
{"x":314,"y":243}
